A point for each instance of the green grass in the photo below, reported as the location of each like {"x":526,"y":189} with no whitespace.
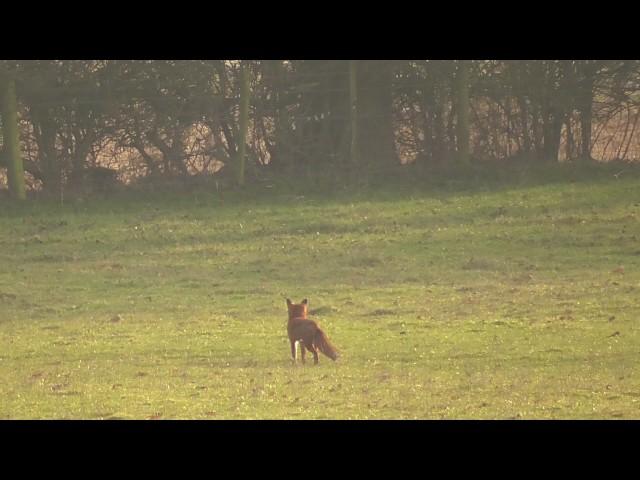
{"x":485,"y":298}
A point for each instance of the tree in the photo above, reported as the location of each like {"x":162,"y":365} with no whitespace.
{"x":587,"y":69}
{"x":353,"y":111}
{"x":375,"y":114}
{"x":11,"y":136}
{"x":462,"y":111}
{"x":280,"y":157}
{"x":244,"y":124}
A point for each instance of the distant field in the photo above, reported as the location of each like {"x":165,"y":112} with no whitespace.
{"x":502,"y":299}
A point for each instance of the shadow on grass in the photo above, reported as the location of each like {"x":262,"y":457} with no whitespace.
{"x":391,"y":184}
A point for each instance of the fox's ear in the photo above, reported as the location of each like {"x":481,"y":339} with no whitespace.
{"x":288,"y":302}
{"x":305,"y":301}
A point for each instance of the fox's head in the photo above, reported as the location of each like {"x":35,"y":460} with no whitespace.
{"x":297,"y":310}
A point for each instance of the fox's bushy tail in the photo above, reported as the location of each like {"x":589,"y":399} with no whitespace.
{"x":321,"y":342}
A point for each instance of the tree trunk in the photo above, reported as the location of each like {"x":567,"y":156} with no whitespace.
{"x":524,"y":119}
{"x":555,"y":106}
{"x":438,"y":149}
{"x":434,"y":130}
{"x":244,"y":124}
{"x":11,"y":139}
{"x":569,"y":145}
{"x":172,"y":155}
{"x":45,"y":133}
{"x":282,"y":157}
{"x":353,"y":111}
{"x":586,"y":116}
{"x":82,"y":148}
{"x":375,"y":114}
{"x":226,"y":126}
{"x":462,"y":111}
{"x":552,"y":131}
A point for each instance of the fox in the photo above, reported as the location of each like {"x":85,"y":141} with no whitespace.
{"x":307,"y":333}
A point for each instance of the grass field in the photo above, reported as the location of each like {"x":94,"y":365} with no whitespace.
{"x":513,"y":297}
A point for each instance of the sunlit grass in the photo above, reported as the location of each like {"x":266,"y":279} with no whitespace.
{"x":515,"y":301}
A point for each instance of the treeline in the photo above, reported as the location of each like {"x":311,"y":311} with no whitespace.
{"x":85,"y":124}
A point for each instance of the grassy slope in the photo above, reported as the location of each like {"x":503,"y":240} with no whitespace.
{"x":450,"y":300}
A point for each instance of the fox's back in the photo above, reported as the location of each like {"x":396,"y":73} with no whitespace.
{"x":302,"y":328}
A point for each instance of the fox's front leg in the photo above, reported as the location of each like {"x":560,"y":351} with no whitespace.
{"x":293,"y":351}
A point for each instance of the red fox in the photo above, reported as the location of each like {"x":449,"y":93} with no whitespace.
{"x":307,"y":333}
